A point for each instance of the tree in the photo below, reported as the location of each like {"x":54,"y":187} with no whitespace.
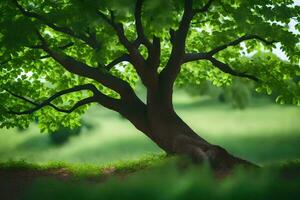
{"x":58,"y":57}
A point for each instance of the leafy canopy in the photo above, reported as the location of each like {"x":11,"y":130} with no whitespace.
{"x":239,"y":34}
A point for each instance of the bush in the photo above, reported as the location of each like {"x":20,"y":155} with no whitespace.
{"x":62,"y":135}
{"x":238,"y":94}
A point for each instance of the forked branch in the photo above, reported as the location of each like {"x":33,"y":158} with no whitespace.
{"x":206,"y":55}
{"x":74,"y":107}
{"x":138,"y":24}
{"x":227,"y":69}
{"x":220,"y":65}
{"x":48,"y":101}
{"x":189,"y":57}
{"x":136,"y":59}
{"x":122,"y":58}
{"x":178,"y":40}
{"x":118,"y":27}
{"x":240,"y":40}
{"x":76,"y":67}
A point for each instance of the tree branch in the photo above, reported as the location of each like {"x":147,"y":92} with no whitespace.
{"x":39,"y":47}
{"x":222,"y":66}
{"x":48,"y":101}
{"x":153,"y":60}
{"x":206,"y":55}
{"x":227,"y":69}
{"x":124,"y":57}
{"x":188,"y":57}
{"x":61,"y":48}
{"x":98,"y":97}
{"x":82,"y":69}
{"x":118,"y":27}
{"x":20,"y":97}
{"x":88,"y":40}
{"x":136,"y":58}
{"x":77,"y":105}
{"x":238,"y":41}
{"x":178,"y":39}
{"x":138,"y":24}
{"x":154,"y":47}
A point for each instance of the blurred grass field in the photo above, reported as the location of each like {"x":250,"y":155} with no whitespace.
{"x":262,"y":133}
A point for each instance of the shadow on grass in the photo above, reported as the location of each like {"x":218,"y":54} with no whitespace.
{"x":125,"y":149}
{"x":35,"y":143}
{"x":263,"y":149}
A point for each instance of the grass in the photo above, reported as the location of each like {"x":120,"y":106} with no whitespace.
{"x":166,"y":182}
{"x":17,"y":177}
{"x":151,"y":177}
{"x":85,"y":170}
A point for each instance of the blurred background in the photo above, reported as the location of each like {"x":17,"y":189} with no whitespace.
{"x":248,"y":124}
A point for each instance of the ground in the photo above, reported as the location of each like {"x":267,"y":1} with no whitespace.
{"x":264,"y":133}
{"x":154,"y":177}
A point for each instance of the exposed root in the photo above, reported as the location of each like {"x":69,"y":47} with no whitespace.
{"x":217,"y":157}
{"x":220,"y":159}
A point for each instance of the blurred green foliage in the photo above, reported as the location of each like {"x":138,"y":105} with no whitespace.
{"x":238,"y":94}
{"x":63,"y":134}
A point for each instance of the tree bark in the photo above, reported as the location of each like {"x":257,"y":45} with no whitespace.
{"x":177,"y":138}
{"x":163,"y":126}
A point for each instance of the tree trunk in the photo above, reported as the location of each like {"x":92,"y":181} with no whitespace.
{"x":175,"y":137}
{"x":162,"y":125}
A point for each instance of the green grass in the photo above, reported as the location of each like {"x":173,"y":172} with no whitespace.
{"x":86,"y":170}
{"x":166,"y":182}
{"x":263,"y":133}
{"x":156,"y":177}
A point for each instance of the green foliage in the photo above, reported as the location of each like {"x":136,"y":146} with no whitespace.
{"x":239,"y":94}
{"x":23,"y":72}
